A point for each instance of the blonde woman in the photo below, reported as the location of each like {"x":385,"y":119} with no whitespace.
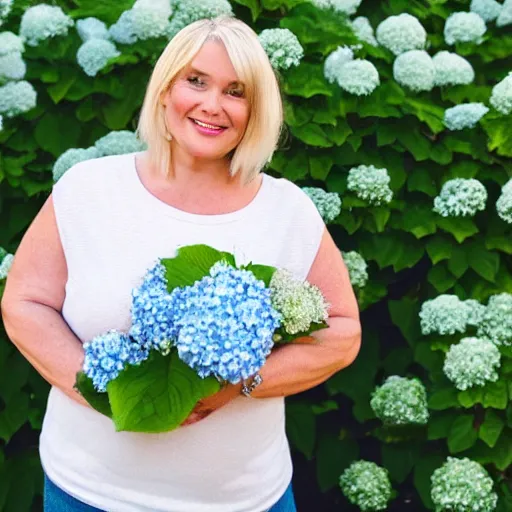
{"x":211,"y":118}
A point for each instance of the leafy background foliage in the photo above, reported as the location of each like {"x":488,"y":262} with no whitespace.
{"x":413,"y":253}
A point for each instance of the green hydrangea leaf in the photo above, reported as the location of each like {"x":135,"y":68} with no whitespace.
{"x":490,"y":430}
{"x":96,"y":400}
{"x":463,"y":434}
{"x":460,"y":227}
{"x":301,"y":427}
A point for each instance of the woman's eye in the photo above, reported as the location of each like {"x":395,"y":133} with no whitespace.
{"x":238,"y":93}
{"x":194,"y":80}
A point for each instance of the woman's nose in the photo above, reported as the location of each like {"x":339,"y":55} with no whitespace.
{"x":211,"y":102}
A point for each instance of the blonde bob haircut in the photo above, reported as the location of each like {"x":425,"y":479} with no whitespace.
{"x":253,"y":69}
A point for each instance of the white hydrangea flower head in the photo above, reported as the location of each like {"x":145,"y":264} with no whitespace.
{"x":461,"y":197}
{"x":488,"y":10}
{"x":400,"y":401}
{"x":282,"y":47}
{"x":299,"y":302}
{"x":334,"y":62}
{"x":505,"y":16}
{"x":359,"y":77}
{"x":366,"y":485}
{"x":17,"y":98}
{"x":464,"y":27}
{"x":501,"y":95}
{"x":415,"y":69}
{"x":1,"y":122}
{"x":188,"y":11}
{"x":123,"y":30}
{"x":496,"y":325}
{"x":119,"y":143}
{"x":12,"y":67}
{"x":472,"y":362}
{"x":5,"y":9}
{"x":71,"y":157}
{"x":401,"y":33}
{"x":357,"y":268}
{"x":327,"y":203}
{"x":43,"y":21}
{"x":92,"y":28}
{"x":347,"y":7}
{"x":504,"y":203}
{"x":370,"y":184}
{"x":95,"y":54}
{"x":462,"y":485}
{"x":150,"y":18}
{"x":364,"y":30}
{"x":446,"y":314}
{"x":6,"y":265}
{"x":452,"y":69}
{"x":475,"y":312}
{"x":464,"y":116}
{"x":10,"y":43}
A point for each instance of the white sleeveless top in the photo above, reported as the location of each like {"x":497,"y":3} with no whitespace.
{"x":112,"y":229}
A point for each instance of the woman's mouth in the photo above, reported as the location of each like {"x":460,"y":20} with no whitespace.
{"x":207,"y":128}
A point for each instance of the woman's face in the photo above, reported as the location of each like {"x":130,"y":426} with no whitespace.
{"x":206,"y":109}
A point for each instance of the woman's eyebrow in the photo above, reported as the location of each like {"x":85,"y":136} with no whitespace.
{"x":202,"y":73}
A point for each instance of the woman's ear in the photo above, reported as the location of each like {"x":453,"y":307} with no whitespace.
{"x":163,"y":97}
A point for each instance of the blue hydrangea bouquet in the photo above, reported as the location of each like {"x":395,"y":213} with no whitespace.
{"x":198,"y":321}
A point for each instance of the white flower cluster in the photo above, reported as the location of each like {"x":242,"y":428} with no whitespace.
{"x":95,"y":54}
{"x":401,"y":33}
{"x":363,"y":30}
{"x":370,"y":184}
{"x":334,"y":62}
{"x":357,"y":268}
{"x":282,"y":47}
{"x":42,"y":22}
{"x":400,"y":401}
{"x":501,"y":95}
{"x":464,"y":116}
{"x":118,"y":143}
{"x":462,"y":485}
{"x":17,"y":98}
{"x":299,"y":302}
{"x":505,"y":16}
{"x":12,"y":65}
{"x":91,"y":28}
{"x":5,"y":266}
{"x":71,"y":157}
{"x":464,"y":27}
{"x":10,"y":43}
{"x":188,"y":11}
{"x":366,"y":485}
{"x":452,"y":69}
{"x":472,"y":362}
{"x":1,"y":122}
{"x":347,"y":7}
{"x":488,"y":10}
{"x":496,"y":324}
{"x":446,"y":314}
{"x":5,"y":9}
{"x":327,"y":203}
{"x":460,"y":197}
{"x":504,"y":202}
{"x":475,"y":312}
{"x":414,"y":69}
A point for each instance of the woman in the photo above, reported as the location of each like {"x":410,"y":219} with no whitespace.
{"x":211,"y":118}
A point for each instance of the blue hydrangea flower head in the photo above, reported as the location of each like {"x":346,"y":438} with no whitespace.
{"x":92,"y":28}
{"x":415,"y":69}
{"x":401,"y":33}
{"x":95,"y":54}
{"x":400,"y":401}
{"x":446,"y":314}
{"x":462,"y":484}
{"x":5,"y":9}
{"x":488,"y":10}
{"x":107,"y":355}
{"x":347,"y":7}
{"x":43,"y":21}
{"x":119,"y":143}
{"x":504,"y":203}
{"x":452,"y":69}
{"x":370,"y":184}
{"x":17,"y":98}
{"x":123,"y":30}
{"x":472,"y":362}
{"x":357,"y":268}
{"x":225,"y":323}
{"x":464,"y":116}
{"x":501,"y":95}
{"x":505,"y":16}
{"x":327,"y":203}
{"x":366,"y":485}
{"x":282,"y":47}
{"x":188,"y":11}
{"x":71,"y":157}
{"x":10,"y":43}
{"x":363,"y":30}
{"x":464,"y":27}
{"x":496,"y":324}
{"x":461,"y":197}
{"x":359,"y":77}
{"x":6,"y":265}
{"x":12,"y":67}
{"x":335,"y":61}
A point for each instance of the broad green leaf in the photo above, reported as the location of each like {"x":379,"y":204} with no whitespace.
{"x":425,"y":111}
{"x":158,"y":395}
{"x":419,"y":220}
{"x":460,"y":227}
{"x":338,"y":133}
{"x":320,"y":166}
{"x":430,"y":359}
{"x":500,"y":455}
{"x":105,"y":10}
{"x":301,"y":427}
{"x":442,"y":399}
{"x":404,"y":314}
{"x":500,"y":135}
{"x":470,"y":397}
{"x":502,"y":243}
{"x":67,"y":78}
{"x":14,"y":415}
{"x":439,"y":248}
{"x":420,"y":181}
{"x":466,"y":169}
{"x":95,"y":399}
{"x":440,"y":278}
{"x":311,"y":134}
{"x":463,"y":434}
{"x":439,"y":424}
{"x":423,"y":469}
{"x":491,"y":428}
{"x":414,"y":141}
{"x":496,"y":395}
{"x":262,"y":272}
{"x":399,"y":460}
{"x":306,"y":80}
{"x":484,"y":262}
{"x":458,"y":262}
{"x":50,"y":135}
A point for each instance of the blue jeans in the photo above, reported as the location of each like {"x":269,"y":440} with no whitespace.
{"x":57,"y":500}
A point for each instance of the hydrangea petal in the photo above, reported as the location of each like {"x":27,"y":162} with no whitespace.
{"x":12,"y":67}
{"x":17,"y":98}
{"x":10,"y":43}
{"x":91,"y":28}
{"x":401,"y":33}
{"x":335,"y":61}
{"x":43,"y":21}
{"x":464,"y":27}
{"x":95,"y":54}
{"x":452,"y":69}
{"x":327,"y":203}
{"x":464,"y":116}
{"x":282,"y":47}
{"x":363,"y":30}
{"x":370,"y":184}
{"x":461,"y":197}
{"x":415,"y":69}
{"x":359,"y":77}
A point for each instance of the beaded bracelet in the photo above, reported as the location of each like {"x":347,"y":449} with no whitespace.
{"x":247,"y":389}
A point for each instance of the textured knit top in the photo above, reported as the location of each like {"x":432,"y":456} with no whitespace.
{"x":112,"y":229}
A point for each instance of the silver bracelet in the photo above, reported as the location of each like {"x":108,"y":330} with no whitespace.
{"x":247,"y":389}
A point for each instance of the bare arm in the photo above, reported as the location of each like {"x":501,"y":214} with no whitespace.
{"x":32,"y":305}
